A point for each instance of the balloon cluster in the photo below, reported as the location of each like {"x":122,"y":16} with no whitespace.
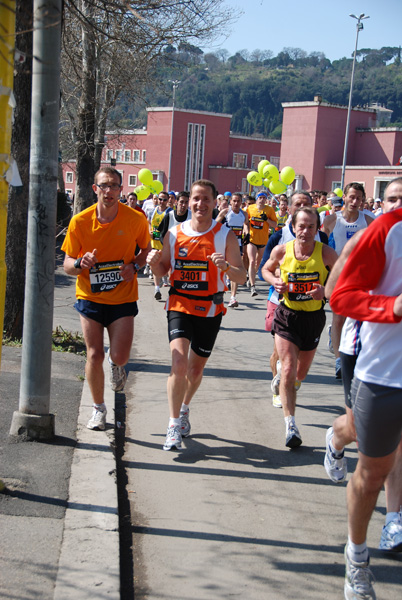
{"x":149,"y":185}
{"x":269,"y":176}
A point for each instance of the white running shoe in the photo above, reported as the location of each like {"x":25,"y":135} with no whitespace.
{"x":391,"y":537}
{"x":253,"y":291}
{"x":173,"y":438}
{"x":185,"y":426}
{"x":358,"y":580}
{"x":98,"y":419}
{"x":276,"y":380}
{"x":335,"y":466}
{"x":233,"y":303}
{"x":276,"y":401}
{"x":293,"y":437}
{"x":117,"y":377}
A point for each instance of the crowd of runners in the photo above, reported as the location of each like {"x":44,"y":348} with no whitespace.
{"x":311,"y":248}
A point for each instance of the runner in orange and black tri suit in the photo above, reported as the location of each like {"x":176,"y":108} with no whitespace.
{"x":198,"y":253}
{"x":261,"y":217}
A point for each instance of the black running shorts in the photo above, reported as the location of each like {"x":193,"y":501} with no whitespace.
{"x":300,"y":327}
{"x":201,"y":331}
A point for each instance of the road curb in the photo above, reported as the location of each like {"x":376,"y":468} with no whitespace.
{"x":89,"y":558}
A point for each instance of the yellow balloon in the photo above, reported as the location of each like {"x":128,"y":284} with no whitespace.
{"x":338,"y":192}
{"x":142,"y":192}
{"x":277,"y":187}
{"x":271,"y":173}
{"x":266,"y":182}
{"x":145,"y":176}
{"x":287,"y":175}
{"x":261,"y":165}
{"x":156,"y":186}
{"x":254,"y":178}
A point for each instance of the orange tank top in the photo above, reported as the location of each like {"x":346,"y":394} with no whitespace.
{"x":197,"y":285}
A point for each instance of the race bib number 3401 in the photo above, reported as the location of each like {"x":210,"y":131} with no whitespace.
{"x":105,"y":276}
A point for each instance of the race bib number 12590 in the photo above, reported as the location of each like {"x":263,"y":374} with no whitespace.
{"x":105,"y":276}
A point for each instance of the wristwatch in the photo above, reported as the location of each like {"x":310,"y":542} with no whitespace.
{"x":136,"y":267}
{"x":77,"y":263}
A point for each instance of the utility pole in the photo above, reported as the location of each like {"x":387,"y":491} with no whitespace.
{"x":359,"y":27}
{"x":175,"y":85}
{"x":33,"y":420}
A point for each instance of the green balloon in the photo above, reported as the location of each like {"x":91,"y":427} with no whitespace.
{"x":261,"y":165}
{"x":271,"y":173}
{"x":277,"y":187}
{"x":287,"y":175}
{"x":145,"y":176}
{"x":254,"y":178}
{"x":142,"y":192}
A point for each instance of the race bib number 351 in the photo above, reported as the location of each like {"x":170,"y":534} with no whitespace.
{"x":300,"y":284}
{"x":105,"y":276}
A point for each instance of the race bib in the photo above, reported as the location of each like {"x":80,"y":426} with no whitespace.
{"x":257,"y":224}
{"x":300,"y":284}
{"x":105,"y":276}
{"x":190,"y":275}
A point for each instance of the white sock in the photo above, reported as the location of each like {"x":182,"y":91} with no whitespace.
{"x":185,"y":408}
{"x":173,"y":422}
{"x":101,"y":407}
{"x":358,"y":552}
{"x":157,"y":288}
{"x":290,"y":420}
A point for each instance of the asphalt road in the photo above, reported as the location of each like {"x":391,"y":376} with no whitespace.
{"x":236,"y":514}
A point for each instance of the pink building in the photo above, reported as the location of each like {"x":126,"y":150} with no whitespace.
{"x":196,"y":145}
{"x":313,"y":137}
{"x":182,"y":146}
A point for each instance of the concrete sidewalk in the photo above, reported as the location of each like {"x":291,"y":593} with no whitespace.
{"x":59,"y":512}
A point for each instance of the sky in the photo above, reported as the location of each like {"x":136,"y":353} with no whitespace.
{"x":313,"y":25}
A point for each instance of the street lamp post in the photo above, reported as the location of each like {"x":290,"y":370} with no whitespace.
{"x":175,"y":83}
{"x":359,"y":27}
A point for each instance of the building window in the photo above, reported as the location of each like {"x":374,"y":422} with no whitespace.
{"x":119,"y":154}
{"x":240,"y":160}
{"x":127,"y":155}
{"x":144,"y":156}
{"x":194,"y":153}
{"x":274,"y":160}
{"x":244,"y":186}
{"x":132,"y":180}
{"x":69,"y":177}
{"x":335,"y":184}
{"x":109,"y":155}
{"x":136,"y":156}
{"x":255,"y":159}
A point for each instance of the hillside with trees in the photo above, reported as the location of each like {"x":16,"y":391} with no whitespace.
{"x":251,"y":86}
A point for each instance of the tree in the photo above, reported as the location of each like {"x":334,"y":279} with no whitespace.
{"x":18,"y":196}
{"x":258,"y":55}
{"x":111,"y":48}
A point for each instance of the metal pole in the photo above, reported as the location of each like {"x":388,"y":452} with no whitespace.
{"x":359,"y":26}
{"x":33,"y":420}
{"x":175,"y":85}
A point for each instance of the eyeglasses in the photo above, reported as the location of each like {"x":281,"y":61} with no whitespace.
{"x":105,"y":186}
{"x":163,"y":199}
